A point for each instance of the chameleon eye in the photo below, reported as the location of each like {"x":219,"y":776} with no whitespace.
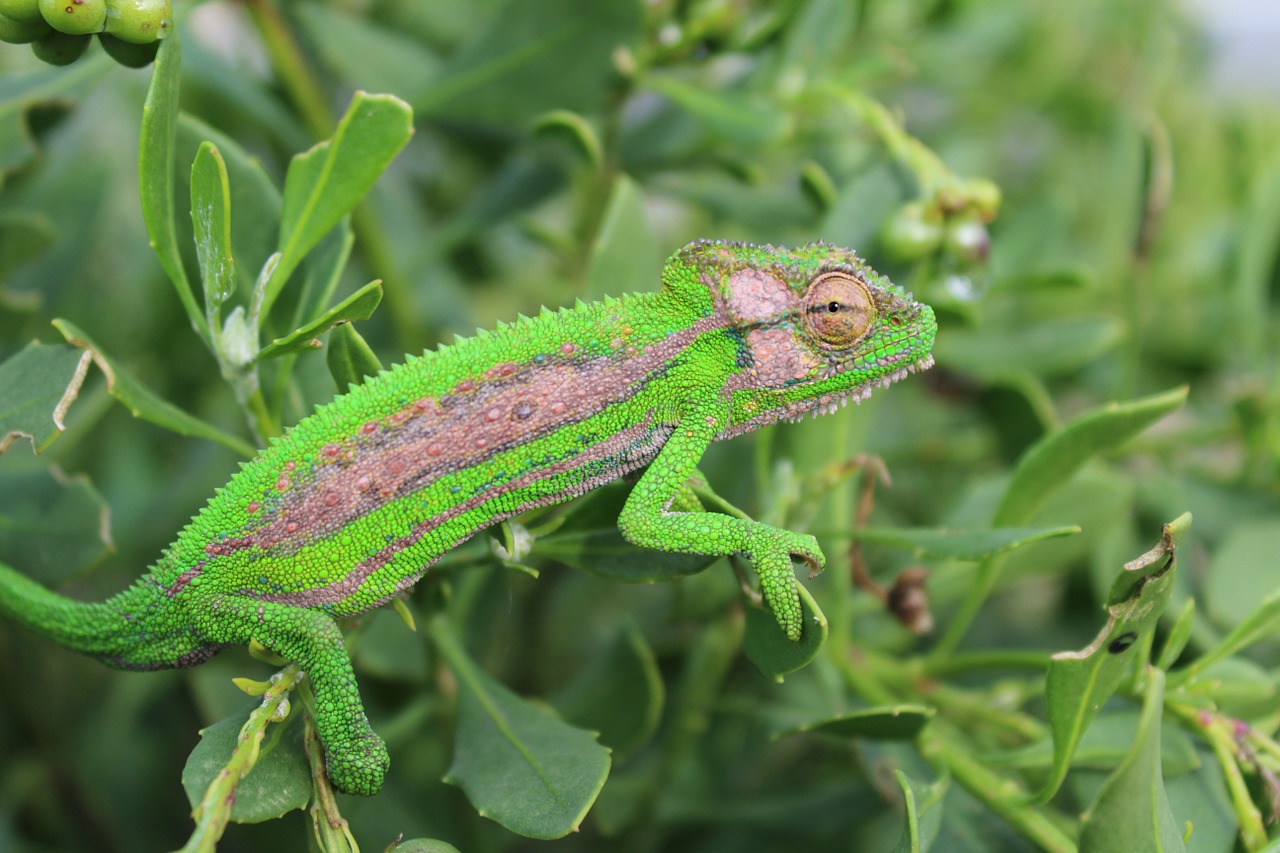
{"x":838,"y":309}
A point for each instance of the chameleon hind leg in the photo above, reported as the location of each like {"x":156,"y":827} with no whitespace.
{"x":652,"y":518}
{"x":356,"y":759}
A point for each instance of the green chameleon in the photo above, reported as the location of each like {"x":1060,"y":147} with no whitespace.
{"x":349,"y":508}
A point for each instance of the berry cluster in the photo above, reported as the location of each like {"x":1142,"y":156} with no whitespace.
{"x":59,"y":30}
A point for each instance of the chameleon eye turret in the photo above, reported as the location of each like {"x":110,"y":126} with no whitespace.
{"x":837,"y":308}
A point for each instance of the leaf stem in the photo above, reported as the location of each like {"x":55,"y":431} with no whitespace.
{"x":214,"y":810}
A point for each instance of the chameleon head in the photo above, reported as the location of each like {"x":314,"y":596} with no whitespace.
{"x":815,"y":327}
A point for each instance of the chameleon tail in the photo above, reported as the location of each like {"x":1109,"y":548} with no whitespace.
{"x":123,"y":632}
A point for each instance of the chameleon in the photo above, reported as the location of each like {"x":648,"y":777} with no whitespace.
{"x":351,"y":506}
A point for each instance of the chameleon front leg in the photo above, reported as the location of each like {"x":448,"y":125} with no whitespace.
{"x":356,"y":759}
{"x":648,"y":520}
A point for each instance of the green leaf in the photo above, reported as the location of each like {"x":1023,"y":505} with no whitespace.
{"x":1104,"y":744}
{"x":279,"y":782}
{"x":1053,"y":460}
{"x":626,"y":257}
{"x":815,"y":37}
{"x":23,"y":236}
{"x":1179,"y":635}
{"x":142,"y":402}
{"x":367,"y":54}
{"x":1238,"y":687}
{"x":51,"y":524}
{"x":37,"y":386}
{"x":889,"y":722}
{"x":1242,"y":572}
{"x":923,"y":807}
{"x":322,"y":272}
{"x":20,"y":92}
{"x":1261,"y":624}
{"x":358,"y":306}
{"x":518,"y":763}
{"x":1044,"y":468}
{"x":324,"y":183}
{"x":941,"y":544}
{"x":422,"y":845}
{"x":768,"y":647}
{"x":349,"y":358}
{"x":732,"y":117}
{"x":574,"y":127}
{"x":253,"y":196}
{"x":1042,"y":349}
{"x":211,"y":221}
{"x":155,"y":173}
{"x":1132,"y":812}
{"x":1079,"y":683}
{"x":620,"y":694}
{"x":519,"y":66}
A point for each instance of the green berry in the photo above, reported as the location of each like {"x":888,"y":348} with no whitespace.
{"x":60,"y":48}
{"x":127,"y":53}
{"x":25,"y":11}
{"x":139,"y":21}
{"x":21,"y":32}
{"x":967,"y":239}
{"x":75,"y":17}
{"x":913,"y":232}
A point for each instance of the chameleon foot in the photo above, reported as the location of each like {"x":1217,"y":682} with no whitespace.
{"x":778,"y":579}
{"x":358,"y":767}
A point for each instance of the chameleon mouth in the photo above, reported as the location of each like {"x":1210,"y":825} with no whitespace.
{"x":832,"y":403}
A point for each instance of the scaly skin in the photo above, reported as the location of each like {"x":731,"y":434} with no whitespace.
{"x":350,"y":507}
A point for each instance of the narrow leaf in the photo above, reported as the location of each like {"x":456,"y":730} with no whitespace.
{"x":358,"y":306}
{"x":574,"y":127}
{"x":923,"y":807}
{"x":1079,"y":683}
{"x":1042,"y":470}
{"x":894,"y":722}
{"x":1132,"y":811}
{"x":211,"y":221}
{"x":254,"y":196}
{"x":941,"y":544}
{"x":626,"y":254}
{"x":155,"y":172}
{"x":730,"y":116}
{"x":349,"y":358}
{"x":1262,"y":623}
{"x":324,"y":183}
{"x":143,"y":403}
{"x":1056,"y":457}
{"x":37,"y":386}
{"x":514,"y":69}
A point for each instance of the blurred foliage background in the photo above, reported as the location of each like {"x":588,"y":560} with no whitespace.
{"x":562,"y":150}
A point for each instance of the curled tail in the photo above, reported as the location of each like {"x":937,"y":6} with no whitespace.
{"x":138,"y":629}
